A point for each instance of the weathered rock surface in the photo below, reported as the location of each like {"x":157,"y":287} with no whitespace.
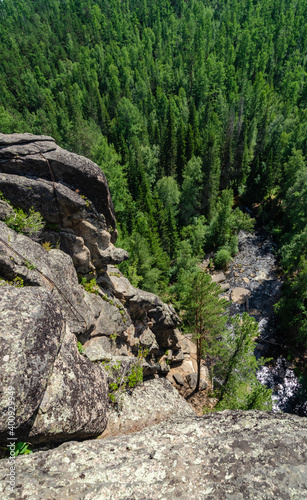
{"x":162,"y":317}
{"x":28,"y":155}
{"x":5,"y":210}
{"x":53,"y":270}
{"x":116,"y":323}
{"x":75,"y":401}
{"x":227,"y":455}
{"x":69,"y":191}
{"x":40,"y":360}
{"x":150,"y":403}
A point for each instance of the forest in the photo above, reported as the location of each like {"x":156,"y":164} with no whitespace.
{"x":192,"y":108}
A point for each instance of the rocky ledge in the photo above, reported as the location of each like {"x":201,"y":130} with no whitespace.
{"x":62,"y":392}
{"x":227,"y":455}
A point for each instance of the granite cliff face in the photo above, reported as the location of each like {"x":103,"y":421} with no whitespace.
{"x":62,"y":394}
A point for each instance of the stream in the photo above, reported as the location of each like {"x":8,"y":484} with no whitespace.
{"x":255,"y":268}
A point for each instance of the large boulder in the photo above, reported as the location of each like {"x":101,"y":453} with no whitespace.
{"x":50,"y":379}
{"x":147,"y":309}
{"x":228,"y":455}
{"x":51,"y":270}
{"x":40,"y":157}
{"x":69,"y":191}
{"x":152,"y":402}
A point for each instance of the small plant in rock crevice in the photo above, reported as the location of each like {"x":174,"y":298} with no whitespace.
{"x":47,"y":246}
{"x":22,"y":448}
{"x":80,"y":347}
{"x":114,"y":336}
{"x":89,"y":285}
{"x":29,"y":265}
{"x":16,"y":282}
{"x":29,"y":224}
{"x":128,"y":379}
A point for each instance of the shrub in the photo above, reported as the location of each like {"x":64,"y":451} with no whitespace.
{"x":233,"y":245}
{"x":90,"y":286}
{"x":21,"y":222}
{"x":222,"y":257}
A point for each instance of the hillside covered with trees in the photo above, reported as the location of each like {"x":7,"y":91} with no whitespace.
{"x":191,"y":108}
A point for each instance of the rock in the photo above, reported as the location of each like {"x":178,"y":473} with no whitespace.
{"x":98,"y":349}
{"x":186,"y":345}
{"x":5,"y":210}
{"x":37,"y":173}
{"x":148,"y":342}
{"x":225,"y":286}
{"x":240,"y":295}
{"x":177,"y":356}
{"x":178,"y":378}
{"x":148,"y":307}
{"x":165,"y":321}
{"x":32,"y":329}
{"x":74,"y":405}
{"x":39,"y":157}
{"x":43,"y":365}
{"x":188,"y":367}
{"x":152,"y":402}
{"x":110,"y":320}
{"x":114,"y":323}
{"x":226,"y":297}
{"x":246,"y":280}
{"x":218,"y":277}
{"x":231,"y":454}
{"x":254,"y":312}
{"x":53,"y":270}
{"x":192,"y":380}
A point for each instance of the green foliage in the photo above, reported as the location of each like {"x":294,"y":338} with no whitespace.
{"x":168,"y":192}
{"x":212,"y":96}
{"x":80,"y":347}
{"x":29,"y":224}
{"x":205,"y":313}
{"x":292,"y":307}
{"x":89,"y":285}
{"x":229,"y":351}
{"x":236,"y":367}
{"x":222,"y":258}
{"x":191,"y":189}
{"x":135,"y":376}
{"x":121,"y":380}
{"x":22,"y":448}
{"x":17,"y":282}
{"x":29,"y":265}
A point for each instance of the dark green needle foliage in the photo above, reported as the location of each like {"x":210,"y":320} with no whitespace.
{"x":209,"y":94}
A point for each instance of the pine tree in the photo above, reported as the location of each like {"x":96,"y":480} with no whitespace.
{"x":205,"y":312}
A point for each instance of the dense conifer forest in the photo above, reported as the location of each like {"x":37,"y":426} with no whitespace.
{"x":193,"y":109}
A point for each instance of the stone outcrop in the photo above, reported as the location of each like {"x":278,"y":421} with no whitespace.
{"x":115,"y":322}
{"x":52,"y":270}
{"x":40,"y":360}
{"x":152,"y":402}
{"x":232,"y":454}
{"x":69,"y":191}
{"x":39,"y":157}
